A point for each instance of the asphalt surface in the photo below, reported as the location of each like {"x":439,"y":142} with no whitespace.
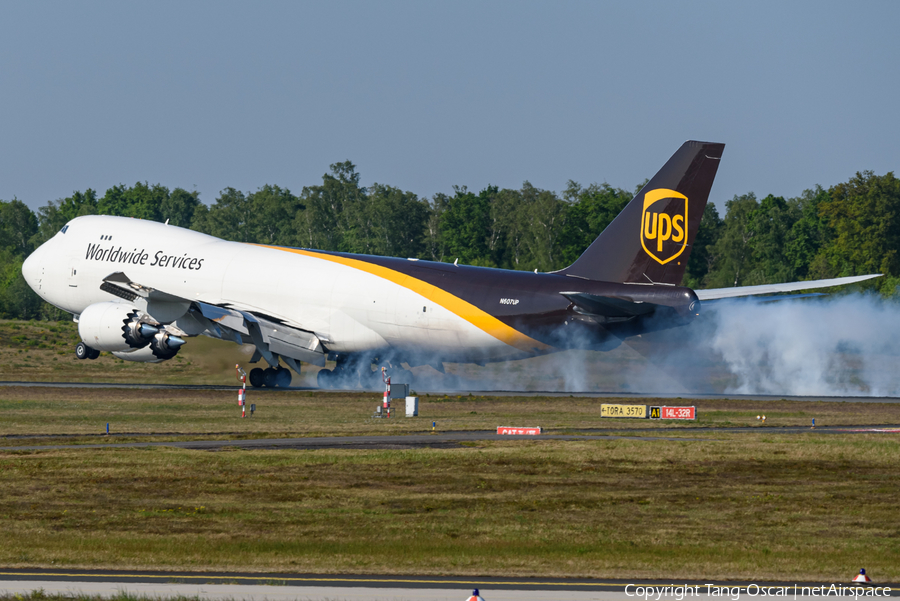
{"x":403,"y":441}
{"x":588,"y":393}
{"x":433,"y":440}
{"x":224,"y":585}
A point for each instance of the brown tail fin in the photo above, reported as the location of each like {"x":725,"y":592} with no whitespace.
{"x":650,"y":240}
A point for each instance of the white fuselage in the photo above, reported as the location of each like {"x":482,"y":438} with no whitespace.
{"x":348,"y":308}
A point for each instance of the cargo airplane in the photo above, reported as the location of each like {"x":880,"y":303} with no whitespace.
{"x":138,"y":289}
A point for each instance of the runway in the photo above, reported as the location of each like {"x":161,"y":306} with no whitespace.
{"x":525,"y":393}
{"x":388,"y":587}
{"x":434,"y":440}
{"x":404,"y":441}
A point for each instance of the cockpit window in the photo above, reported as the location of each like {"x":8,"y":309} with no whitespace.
{"x":63,"y":230}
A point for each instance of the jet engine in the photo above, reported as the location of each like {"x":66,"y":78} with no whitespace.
{"x":113,"y":326}
{"x":162,"y":346}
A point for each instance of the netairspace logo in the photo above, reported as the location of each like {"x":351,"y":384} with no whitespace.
{"x":679,"y":593}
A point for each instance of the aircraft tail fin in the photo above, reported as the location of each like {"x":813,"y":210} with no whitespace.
{"x":650,"y":240}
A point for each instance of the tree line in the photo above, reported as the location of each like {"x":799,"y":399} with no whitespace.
{"x":851,"y":228}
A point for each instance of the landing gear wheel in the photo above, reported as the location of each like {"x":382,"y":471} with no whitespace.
{"x":93,"y":354}
{"x":256,"y":377}
{"x":269,"y":377}
{"x":283,"y":378}
{"x":325,"y":378}
{"x":82,"y":351}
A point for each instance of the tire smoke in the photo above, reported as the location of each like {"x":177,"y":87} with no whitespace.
{"x":833,"y":346}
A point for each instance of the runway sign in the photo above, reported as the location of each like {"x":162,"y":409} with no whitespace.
{"x":655,"y":412}
{"x":518,"y":431}
{"x":636,"y":411}
{"x":678,"y":412}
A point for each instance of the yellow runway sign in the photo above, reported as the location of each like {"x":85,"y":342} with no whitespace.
{"x":636,"y":411}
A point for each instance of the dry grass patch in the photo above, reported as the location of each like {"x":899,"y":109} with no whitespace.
{"x":751,"y":506}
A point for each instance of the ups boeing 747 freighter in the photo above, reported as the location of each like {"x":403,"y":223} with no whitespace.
{"x":138,"y":289}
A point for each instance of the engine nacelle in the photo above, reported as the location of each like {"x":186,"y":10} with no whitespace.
{"x":142,"y":355}
{"x":114,"y":327}
{"x":162,"y":346}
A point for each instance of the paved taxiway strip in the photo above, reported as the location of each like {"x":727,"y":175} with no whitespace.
{"x":442,"y":439}
{"x":240,"y":592}
{"x":285,"y":587}
{"x":526,"y":393}
{"x":431,"y":440}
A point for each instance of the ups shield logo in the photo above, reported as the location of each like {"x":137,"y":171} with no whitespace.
{"x":664,"y":224}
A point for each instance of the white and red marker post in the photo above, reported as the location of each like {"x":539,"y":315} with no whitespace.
{"x":387,"y":391}
{"x":242,"y":391}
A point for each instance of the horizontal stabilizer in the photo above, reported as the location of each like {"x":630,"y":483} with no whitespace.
{"x":739,"y":291}
{"x":608,"y":306}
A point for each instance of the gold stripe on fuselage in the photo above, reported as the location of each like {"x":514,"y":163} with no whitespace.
{"x":463,"y":309}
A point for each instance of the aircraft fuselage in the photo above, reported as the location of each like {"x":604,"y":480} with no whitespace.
{"x":353,"y":303}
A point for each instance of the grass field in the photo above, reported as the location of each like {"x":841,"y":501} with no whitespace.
{"x":757,"y":505}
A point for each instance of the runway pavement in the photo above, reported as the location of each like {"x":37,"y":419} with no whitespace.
{"x":528,"y":393}
{"x":435,"y":440}
{"x":424,"y":440}
{"x":285,"y":587}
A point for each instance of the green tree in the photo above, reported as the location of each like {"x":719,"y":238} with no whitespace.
{"x":546,"y":215}
{"x":591,"y":210}
{"x":271,"y":212}
{"x":465,"y":223}
{"x":55,"y":214}
{"x":17,"y":299}
{"x":808,"y":234}
{"x":325,"y":222}
{"x":399,"y":221}
{"x":18,"y":227}
{"x":732,"y":255}
{"x":701,"y":260}
{"x":770,"y":224}
{"x":506,"y":230}
{"x":229,"y":218}
{"x":864,"y":214}
{"x":435,"y":249}
{"x":141,"y":201}
{"x":180,"y":206}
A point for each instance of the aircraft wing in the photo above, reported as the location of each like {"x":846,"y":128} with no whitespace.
{"x":271,"y":338}
{"x":119,"y":284}
{"x":738,"y":291}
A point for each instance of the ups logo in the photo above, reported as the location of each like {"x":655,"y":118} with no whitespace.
{"x":664,"y":224}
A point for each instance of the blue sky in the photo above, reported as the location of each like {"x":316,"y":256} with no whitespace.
{"x":426,"y":95}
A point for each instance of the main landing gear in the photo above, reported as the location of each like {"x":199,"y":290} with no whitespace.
{"x":355,"y":371}
{"x":83,"y":351}
{"x":270,"y":377}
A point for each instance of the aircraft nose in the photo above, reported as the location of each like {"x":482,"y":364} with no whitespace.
{"x":31,"y":269}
